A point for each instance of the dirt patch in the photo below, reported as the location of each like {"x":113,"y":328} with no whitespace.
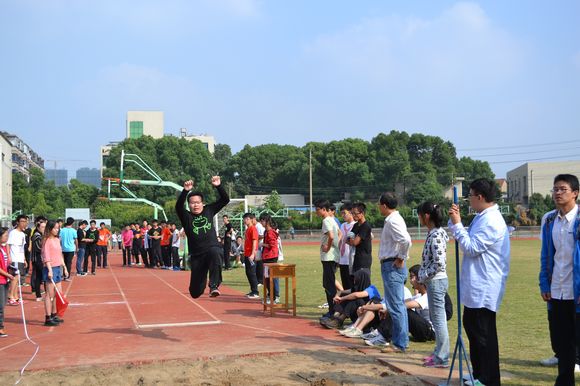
{"x":317,"y":368}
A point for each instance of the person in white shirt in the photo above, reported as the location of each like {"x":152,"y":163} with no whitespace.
{"x":393,"y":253}
{"x":346,"y":251}
{"x":484,"y":272}
{"x":16,"y":243}
{"x":560,"y":275}
{"x":175,"y":244}
{"x":329,"y":253}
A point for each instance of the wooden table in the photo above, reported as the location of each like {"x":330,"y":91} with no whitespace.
{"x":279,"y":271}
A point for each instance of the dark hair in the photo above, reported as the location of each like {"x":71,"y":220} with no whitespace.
{"x":434,"y":212}
{"x":322,"y":204}
{"x":102,"y":223}
{"x":40,"y":219}
{"x":3,"y":230}
{"x":191,"y":194}
{"x":144,"y":220}
{"x":389,"y":199}
{"x":414,"y":270}
{"x":154,"y":221}
{"x":249,"y":215}
{"x":346,"y":206}
{"x":225,"y":216}
{"x":60,"y":220}
{"x":485,"y":187}
{"x":266,"y":217}
{"x":70,"y":220}
{"x":332,"y":208}
{"x":360,"y":206}
{"x":570,"y":179}
{"x":93,"y":222}
{"x":20,"y":217}
{"x":49,"y":227}
{"x":84,"y":222}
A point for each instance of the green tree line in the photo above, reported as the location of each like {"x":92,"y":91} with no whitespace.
{"x":419,"y":165}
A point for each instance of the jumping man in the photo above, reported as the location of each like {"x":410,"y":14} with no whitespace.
{"x":205,"y":252}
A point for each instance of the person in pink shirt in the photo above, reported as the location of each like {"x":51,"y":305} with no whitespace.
{"x":52,"y":272}
{"x":126,"y":243}
{"x":4,"y":277}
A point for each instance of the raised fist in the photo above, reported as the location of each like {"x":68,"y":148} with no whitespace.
{"x":216,"y":181}
{"x":188,"y":185}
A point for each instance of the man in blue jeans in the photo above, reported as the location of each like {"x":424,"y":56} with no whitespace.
{"x":393,"y":252}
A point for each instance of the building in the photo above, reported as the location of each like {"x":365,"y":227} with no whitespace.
{"x":207,"y":140}
{"x":140,"y":123}
{"x":58,"y":176}
{"x":257,"y":200}
{"x":503,"y":187}
{"x":23,"y":157}
{"x":105,"y":153}
{"x":6,"y":178}
{"x":89,"y":176}
{"x":536,"y":177}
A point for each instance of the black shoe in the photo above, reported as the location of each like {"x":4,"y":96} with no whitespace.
{"x":51,"y":323}
{"x":331,"y":323}
{"x":57,"y":319}
{"x":214,"y":293}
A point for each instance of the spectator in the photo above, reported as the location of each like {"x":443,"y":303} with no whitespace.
{"x":175,"y":243}
{"x":346,"y":251}
{"x":92,"y":235}
{"x":36,"y":258}
{"x":4,"y":277}
{"x":82,"y":246}
{"x":16,"y":243}
{"x":155,"y":243}
{"x":329,"y":254}
{"x":103,"y":245}
{"x":127,"y":244}
{"x":362,"y":240}
{"x":53,"y":272}
{"x":69,"y":244}
{"x":250,"y":250}
{"x":270,"y":255}
{"x":228,"y":230}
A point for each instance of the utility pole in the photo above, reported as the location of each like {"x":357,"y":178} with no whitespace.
{"x":310,"y":185}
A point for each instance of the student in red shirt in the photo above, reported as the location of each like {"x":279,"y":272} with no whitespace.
{"x":166,"y":236}
{"x":4,"y":277}
{"x":250,"y":249}
{"x":103,"y":245}
{"x":270,"y":253}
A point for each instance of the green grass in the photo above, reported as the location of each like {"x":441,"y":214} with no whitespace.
{"x":522,"y":319}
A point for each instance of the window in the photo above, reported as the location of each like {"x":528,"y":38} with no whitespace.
{"x":135,"y":129}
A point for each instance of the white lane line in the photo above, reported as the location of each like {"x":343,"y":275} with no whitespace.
{"x":95,"y":304}
{"x":185,"y":296}
{"x":124,"y":298}
{"x":184,"y":324}
{"x":102,"y":294}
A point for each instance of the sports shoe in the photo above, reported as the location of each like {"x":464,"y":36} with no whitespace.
{"x":214,"y":293}
{"x":392,"y":350}
{"x":353,"y":333}
{"x":377,"y":341}
{"x":57,"y":319}
{"x":50,"y":322}
{"x":370,"y":335}
{"x":3,"y":334}
{"x":346,"y":329}
{"x":139,"y":263}
{"x":277,"y":300}
{"x":39,"y":299}
{"x":475,"y":382}
{"x":260,"y":285}
{"x":552,"y":361}
{"x":429,"y":358}
{"x":331,"y":323}
{"x":253,"y":296}
{"x":13,"y":302}
{"x":436,"y":364}
{"x":325,"y":305}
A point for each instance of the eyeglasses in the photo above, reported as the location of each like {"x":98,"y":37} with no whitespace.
{"x":354,"y":213}
{"x":559,"y":190}
{"x":472,"y":195}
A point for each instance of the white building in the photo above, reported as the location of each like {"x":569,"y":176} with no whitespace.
{"x":6,"y":177}
{"x":140,"y":123}
{"x":258,"y":200}
{"x":207,"y":140}
{"x":23,"y":157}
{"x":536,"y":177}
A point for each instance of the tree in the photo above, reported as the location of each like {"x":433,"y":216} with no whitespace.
{"x":273,"y":202}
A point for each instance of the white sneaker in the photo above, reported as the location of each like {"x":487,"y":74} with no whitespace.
{"x":346,"y":329}
{"x":325,"y":305}
{"x":353,"y":333}
{"x":277,"y":300}
{"x":552,"y":361}
{"x":377,"y":341}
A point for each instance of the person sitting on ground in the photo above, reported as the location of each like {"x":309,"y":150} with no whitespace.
{"x":238,"y":251}
{"x":417,"y":306}
{"x":347,"y":302}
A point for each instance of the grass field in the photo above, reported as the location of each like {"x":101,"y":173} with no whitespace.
{"x":522,"y":319}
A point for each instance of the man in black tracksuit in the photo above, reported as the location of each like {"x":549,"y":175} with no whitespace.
{"x":205,"y":252}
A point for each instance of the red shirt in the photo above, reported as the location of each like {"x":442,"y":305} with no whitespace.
{"x":271,"y":250}
{"x":251,"y":235}
{"x":3,"y":263}
{"x":166,"y":235}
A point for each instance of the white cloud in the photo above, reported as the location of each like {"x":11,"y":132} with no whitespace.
{"x":457,"y":48}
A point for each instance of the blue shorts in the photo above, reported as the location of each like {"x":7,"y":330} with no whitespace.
{"x":56,"y":274}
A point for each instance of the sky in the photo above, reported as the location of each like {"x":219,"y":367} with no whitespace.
{"x":499,"y":79}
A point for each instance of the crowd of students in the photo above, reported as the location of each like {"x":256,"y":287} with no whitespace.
{"x":389,"y":319}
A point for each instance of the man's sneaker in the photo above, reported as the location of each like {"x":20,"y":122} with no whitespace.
{"x":260,"y":285}
{"x":371,"y":334}
{"x":331,"y":323}
{"x":139,"y":263}
{"x":253,"y":296}
{"x":353,"y":333}
{"x":552,"y":361}
{"x":277,"y":300}
{"x":377,"y":341}
{"x":475,"y":382}
{"x":325,"y":305}
{"x":392,"y":350}
{"x":3,"y":334}
{"x":93,"y":273}
{"x":214,"y":293}
{"x":345,"y":330}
